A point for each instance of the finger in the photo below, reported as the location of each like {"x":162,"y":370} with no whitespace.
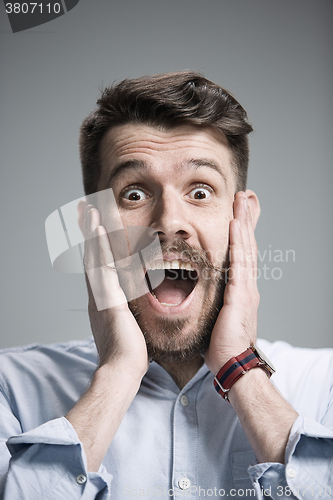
{"x":104,"y":285}
{"x":237,"y":267}
{"x":99,"y":266}
{"x":243,"y":214}
{"x":108,"y":269}
{"x":91,"y":258}
{"x":253,"y":242}
{"x":92,"y":220}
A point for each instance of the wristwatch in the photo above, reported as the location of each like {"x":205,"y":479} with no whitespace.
{"x":237,"y":367}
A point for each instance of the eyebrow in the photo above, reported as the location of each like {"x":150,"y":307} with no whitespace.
{"x":122,"y":166}
{"x":197,"y":163}
{"x":136,"y":164}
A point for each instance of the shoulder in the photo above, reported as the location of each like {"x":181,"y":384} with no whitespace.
{"x":304,"y":376}
{"x":42,"y":355}
{"x":35,"y":374}
{"x":297,"y":359}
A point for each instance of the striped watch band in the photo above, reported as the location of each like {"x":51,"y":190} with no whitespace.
{"x":233,"y":370}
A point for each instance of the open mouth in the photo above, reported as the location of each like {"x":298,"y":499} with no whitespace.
{"x":179,"y":282}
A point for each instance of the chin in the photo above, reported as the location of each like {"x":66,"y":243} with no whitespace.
{"x":183,"y":295}
{"x":177,"y":338}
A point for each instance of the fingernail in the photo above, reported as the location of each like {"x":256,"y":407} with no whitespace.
{"x":246,"y":204}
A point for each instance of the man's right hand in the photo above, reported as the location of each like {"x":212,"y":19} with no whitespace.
{"x":121,"y":347}
{"x":117,"y":335}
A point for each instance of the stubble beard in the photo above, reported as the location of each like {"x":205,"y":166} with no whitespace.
{"x":167,"y":339}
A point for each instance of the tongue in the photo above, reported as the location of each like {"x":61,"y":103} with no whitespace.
{"x":173,"y":291}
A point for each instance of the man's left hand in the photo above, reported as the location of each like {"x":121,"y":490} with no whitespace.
{"x":236,"y":326}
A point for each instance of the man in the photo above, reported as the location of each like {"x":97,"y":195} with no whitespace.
{"x":174,"y":150}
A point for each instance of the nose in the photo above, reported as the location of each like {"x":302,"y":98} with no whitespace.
{"x":170,"y":220}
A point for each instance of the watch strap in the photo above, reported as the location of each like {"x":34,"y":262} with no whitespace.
{"x":233,"y":370}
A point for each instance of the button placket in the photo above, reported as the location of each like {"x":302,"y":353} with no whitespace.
{"x":291,"y":472}
{"x":184,"y":483}
{"x":185,"y":442}
{"x":81,"y":479}
{"x":184,"y":400}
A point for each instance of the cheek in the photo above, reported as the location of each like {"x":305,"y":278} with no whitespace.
{"x":133,"y":217}
{"x":215,"y":238}
{"x":136,"y":224}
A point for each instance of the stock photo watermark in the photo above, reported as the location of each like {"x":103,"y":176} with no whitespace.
{"x":142,"y":262}
{"x":26,"y":15}
{"x":198,"y":491}
{"x":192,"y":491}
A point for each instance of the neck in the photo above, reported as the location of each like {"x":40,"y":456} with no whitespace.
{"x":183,"y":371}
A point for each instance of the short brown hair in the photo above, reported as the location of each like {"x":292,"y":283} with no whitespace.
{"x":166,"y":100}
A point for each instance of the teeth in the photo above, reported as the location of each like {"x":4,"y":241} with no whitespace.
{"x":169,"y":305}
{"x":167,"y":264}
{"x":164,"y":303}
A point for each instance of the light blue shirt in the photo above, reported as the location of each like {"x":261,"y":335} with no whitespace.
{"x":170,"y":444}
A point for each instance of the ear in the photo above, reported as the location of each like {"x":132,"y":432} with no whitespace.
{"x":81,"y":219}
{"x":254,"y":206}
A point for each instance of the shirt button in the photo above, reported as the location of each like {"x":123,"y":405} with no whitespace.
{"x":291,"y":472}
{"x":184,"y":400}
{"x":81,"y":479}
{"x":184,"y":483}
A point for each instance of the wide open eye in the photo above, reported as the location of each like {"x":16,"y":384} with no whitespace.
{"x":200,"y":193}
{"x":134,"y":194}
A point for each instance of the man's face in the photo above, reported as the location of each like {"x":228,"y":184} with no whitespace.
{"x":180,"y":184}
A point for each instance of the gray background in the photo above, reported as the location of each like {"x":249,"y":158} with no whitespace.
{"x":274,"y":55}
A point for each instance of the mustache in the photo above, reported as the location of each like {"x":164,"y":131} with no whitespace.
{"x":196,"y":256}
{"x":183,"y":251}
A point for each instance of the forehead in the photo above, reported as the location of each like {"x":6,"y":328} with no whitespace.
{"x":165,"y":149}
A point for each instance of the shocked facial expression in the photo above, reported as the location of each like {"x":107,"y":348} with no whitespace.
{"x":180,"y":184}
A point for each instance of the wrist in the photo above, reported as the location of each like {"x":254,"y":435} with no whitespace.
{"x":252,"y":383}
{"x":238,"y":366}
{"x":131,"y":364}
{"x":224,"y":358}
{"x":120,"y":372}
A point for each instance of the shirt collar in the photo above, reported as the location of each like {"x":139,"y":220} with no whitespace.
{"x":156,"y":374}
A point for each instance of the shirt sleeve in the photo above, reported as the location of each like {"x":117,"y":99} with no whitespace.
{"x":308,"y":470}
{"x":48,"y":462}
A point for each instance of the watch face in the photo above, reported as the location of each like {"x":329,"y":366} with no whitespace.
{"x":264,"y":358}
